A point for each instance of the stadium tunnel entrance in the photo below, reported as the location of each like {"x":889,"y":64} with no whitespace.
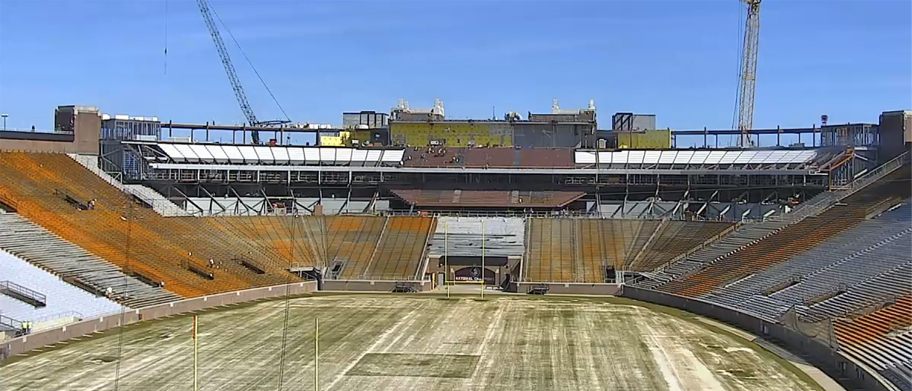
{"x":497,"y":270}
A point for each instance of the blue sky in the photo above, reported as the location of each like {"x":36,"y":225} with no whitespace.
{"x":677,"y":59}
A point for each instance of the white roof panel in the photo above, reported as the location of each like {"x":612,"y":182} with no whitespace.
{"x":373,"y":156}
{"x":393,"y":155}
{"x":343,"y":156}
{"x":358,"y":156}
{"x":280,"y":154}
{"x":187,"y":152}
{"x":217,"y":153}
{"x":604,"y":157}
{"x":584,"y":157}
{"x":249,"y":154}
{"x":312,"y":155}
{"x":760,"y":157}
{"x":295,"y":155}
{"x":202,"y":153}
{"x":699,"y":157}
{"x":776,"y":157}
{"x":652,"y":157}
{"x":234,"y":154}
{"x":729,"y":157}
{"x":714,"y":157}
{"x":264,"y":154}
{"x":745,"y":157}
{"x":683,"y":157}
{"x":667,"y":157}
{"x":636,"y":157}
{"x":172,"y":152}
{"x":792,"y":157}
{"x":806,"y":155}
{"x":620,"y":157}
{"x":328,"y":155}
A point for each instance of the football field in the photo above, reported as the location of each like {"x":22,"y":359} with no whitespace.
{"x":398,"y":342}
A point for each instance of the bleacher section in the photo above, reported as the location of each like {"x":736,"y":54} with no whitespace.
{"x":580,"y":249}
{"x":174,"y":251}
{"x":403,"y":241}
{"x":876,"y":247}
{"x":150,"y":197}
{"x":62,"y":300}
{"x":47,"y":251}
{"x":779,"y":246}
{"x":350,"y":244}
{"x":882,"y":339}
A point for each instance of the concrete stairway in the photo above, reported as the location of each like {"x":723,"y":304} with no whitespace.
{"x":159,"y":203}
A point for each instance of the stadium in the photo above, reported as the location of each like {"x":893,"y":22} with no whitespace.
{"x":466,"y":267}
{"x":407,"y":250}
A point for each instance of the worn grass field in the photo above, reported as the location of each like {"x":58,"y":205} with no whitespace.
{"x":413,"y":342}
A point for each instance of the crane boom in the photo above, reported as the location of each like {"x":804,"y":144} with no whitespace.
{"x":239,"y":93}
{"x":748,"y":73}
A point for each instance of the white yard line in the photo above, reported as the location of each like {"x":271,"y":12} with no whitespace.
{"x":482,"y":350}
{"x":661,"y":358}
{"x":392,"y":331}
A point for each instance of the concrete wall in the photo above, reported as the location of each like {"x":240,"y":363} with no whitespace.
{"x":373,"y":285}
{"x":850,"y":374}
{"x":528,"y":134}
{"x":895,"y":133}
{"x":37,"y":146}
{"x":452,"y":133}
{"x":83,"y":139}
{"x":33,"y":341}
{"x":571,"y":288}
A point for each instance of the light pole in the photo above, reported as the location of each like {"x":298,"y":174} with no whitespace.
{"x":4,"y":115}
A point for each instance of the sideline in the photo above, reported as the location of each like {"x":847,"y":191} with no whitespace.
{"x":822,"y":379}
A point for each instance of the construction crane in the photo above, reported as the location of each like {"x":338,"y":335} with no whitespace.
{"x":232,"y":74}
{"x":748,"y":79}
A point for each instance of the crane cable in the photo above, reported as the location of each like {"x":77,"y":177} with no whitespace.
{"x":257,"y":73}
{"x":166,"y":38}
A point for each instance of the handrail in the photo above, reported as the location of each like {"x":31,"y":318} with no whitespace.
{"x":14,"y":287}
{"x":10,"y":322}
{"x":706,"y":243}
{"x":877,"y":173}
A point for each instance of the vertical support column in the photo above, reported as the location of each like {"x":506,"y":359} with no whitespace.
{"x":195,"y":353}
{"x":317,"y":354}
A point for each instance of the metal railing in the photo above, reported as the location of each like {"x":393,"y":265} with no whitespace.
{"x":875,"y":174}
{"x":12,"y":324}
{"x":824,"y":200}
{"x":9,"y":286}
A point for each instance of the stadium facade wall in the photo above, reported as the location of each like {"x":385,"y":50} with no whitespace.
{"x":374,"y":285}
{"x":15,"y":144}
{"x":33,"y":341}
{"x":570,"y":288}
{"x":452,"y":133}
{"x":849,"y":373}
